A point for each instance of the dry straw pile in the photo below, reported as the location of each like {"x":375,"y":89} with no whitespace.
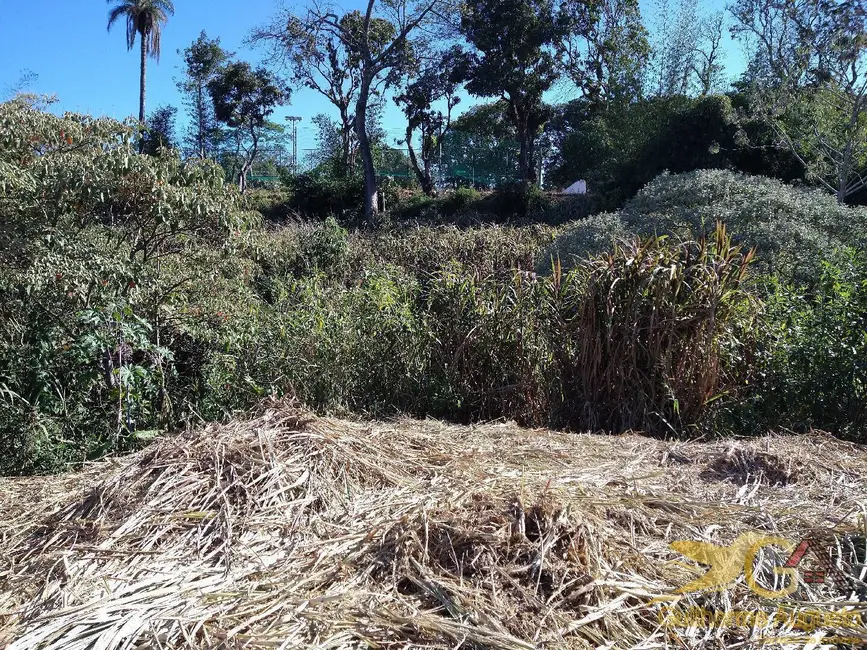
{"x":288,"y":531}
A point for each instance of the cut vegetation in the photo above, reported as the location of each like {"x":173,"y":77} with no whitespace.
{"x":291,"y":531}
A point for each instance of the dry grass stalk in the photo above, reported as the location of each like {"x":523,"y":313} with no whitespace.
{"x":652,"y":329}
{"x":288,"y":531}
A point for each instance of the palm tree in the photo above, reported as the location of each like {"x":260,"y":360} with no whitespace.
{"x":146,"y":19}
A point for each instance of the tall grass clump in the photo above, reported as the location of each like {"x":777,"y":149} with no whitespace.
{"x":492,"y":346}
{"x":654,"y":337}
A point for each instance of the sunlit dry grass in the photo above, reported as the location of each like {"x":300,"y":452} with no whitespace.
{"x":290,"y":531}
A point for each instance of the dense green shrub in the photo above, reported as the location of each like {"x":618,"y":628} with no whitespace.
{"x":624,"y":148}
{"x":513,"y":203}
{"x":357,"y":348}
{"x":274,"y":204}
{"x":492,"y":347}
{"x":561,"y":209}
{"x":791,"y":228}
{"x":464,"y":345}
{"x":583,"y":239}
{"x":98,"y":246}
{"x":814,"y":366}
{"x":460,"y":199}
{"x":516,"y":200}
{"x":318,"y":196}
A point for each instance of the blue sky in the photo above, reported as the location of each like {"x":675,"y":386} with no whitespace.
{"x":91,"y":71}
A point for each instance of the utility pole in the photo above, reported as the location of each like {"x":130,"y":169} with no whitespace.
{"x":294,"y":119}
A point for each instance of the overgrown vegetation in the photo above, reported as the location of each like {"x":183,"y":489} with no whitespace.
{"x":810,"y":364}
{"x":139,"y":295}
{"x":102,"y":250}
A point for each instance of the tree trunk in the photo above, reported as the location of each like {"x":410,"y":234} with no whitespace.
{"x":526,"y":136}
{"x":242,"y":179}
{"x":346,"y":127}
{"x":371,"y":207}
{"x":142,"y":78}
{"x":346,"y":154}
{"x":200,"y":115}
{"x":423,"y":175}
{"x":845,"y":168}
{"x":247,"y":167}
{"x":526,"y":166}
{"x":842,"y":183}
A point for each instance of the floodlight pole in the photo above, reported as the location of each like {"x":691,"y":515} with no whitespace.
{"x":294,"y":119}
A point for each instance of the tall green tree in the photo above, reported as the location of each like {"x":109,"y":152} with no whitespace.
{"x":620,"y":150}
{"x":605,"y":49}
{"x":160,"y":132}
{"x":687,"y":50}
{"x":513,"y":58}
{"x":427,"y":101}
{"x":707,"y":65}
{"x":378,"y":45}
{"x":318,"y":59}
{"x":674,"y":46}
{"x":807,"y":79}
{"x":480,"y":149}
{"x":144,"y":20}
{"x":244,"y":99}
{"x":202,"y":62}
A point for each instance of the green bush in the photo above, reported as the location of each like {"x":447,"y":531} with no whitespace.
{"x":274,"y":204}
{"x":491,"y":347}
{"x":515,"y":200}
{"x":558,"y":210}
{"x":513,"y":203}
{"x":586,"y":238}
{"x":317,"y":196}
{"x":791,"y":228}
{"x":416,"y":206}
{"x":467,"y":344}
{"x":358,"y":348}
{"x":627,"y":146}
{"x":814,"y":366}
{"x":460,"y":199}
{"x":99,"y":246}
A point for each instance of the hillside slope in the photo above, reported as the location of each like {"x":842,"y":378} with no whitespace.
{"x":291,"y":531}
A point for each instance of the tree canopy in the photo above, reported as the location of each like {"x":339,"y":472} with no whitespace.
{"x":244,"y":98}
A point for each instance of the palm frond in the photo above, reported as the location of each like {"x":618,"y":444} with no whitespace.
{"x":143,"y":17}
{"x":166,"y":7}
{"x":154,"y":41}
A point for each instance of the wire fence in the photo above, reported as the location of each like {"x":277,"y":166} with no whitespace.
{"x":480,"y":167}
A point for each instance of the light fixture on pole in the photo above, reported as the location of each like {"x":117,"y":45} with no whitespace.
{"x":294,"y":119}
